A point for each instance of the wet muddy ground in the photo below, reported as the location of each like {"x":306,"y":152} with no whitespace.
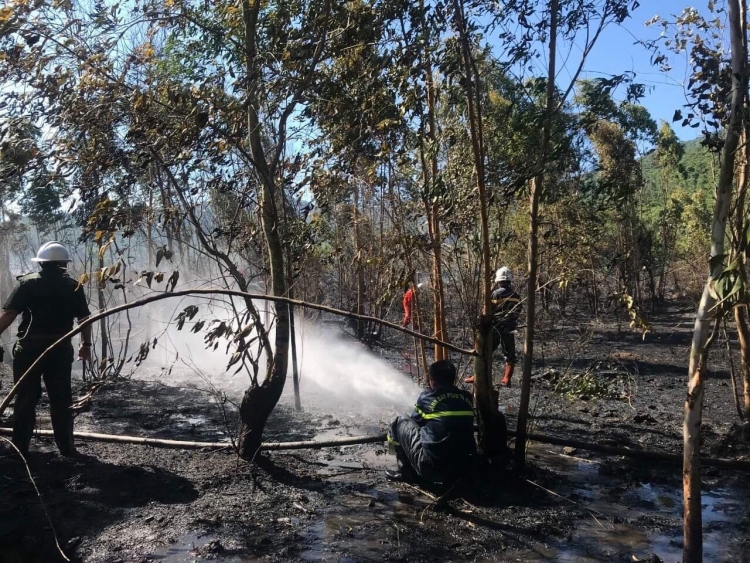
{"x":593,"y":382}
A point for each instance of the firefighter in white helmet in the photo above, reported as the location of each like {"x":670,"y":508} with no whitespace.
{"x":48,"y":302}
{"x":506,"y":310}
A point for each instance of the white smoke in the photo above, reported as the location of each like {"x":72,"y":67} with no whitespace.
{"x":337,"y":374}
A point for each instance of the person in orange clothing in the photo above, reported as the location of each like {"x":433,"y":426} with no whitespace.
{"x":409,"y":292}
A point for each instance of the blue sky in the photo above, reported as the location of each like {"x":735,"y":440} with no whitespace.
{"x":616,"y":52}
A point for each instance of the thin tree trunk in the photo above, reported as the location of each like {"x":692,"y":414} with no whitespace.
{"x":433,"y":209}
{"x":260,"y":400}
{"x":732,"y":373}
{"x":693,"y":532}
{"x":416,"y":352}
{"x":150,"y":244}
{"x":399,"y":214}
{"x":103,"y":323}
{"x":536,"y":190}
{"x":418,"y":320}
{"x":437,"y":275}
{"x":743,"y":334}
{"x":358,"y":262}
{"x":295,"y":372}
{"x":485,"y":398}
{"x":740,"y":222}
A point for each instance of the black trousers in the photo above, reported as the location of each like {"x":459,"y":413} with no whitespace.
{"x":405,"y":436}
{"x":56,"y":369}
{"x":503,"y":336}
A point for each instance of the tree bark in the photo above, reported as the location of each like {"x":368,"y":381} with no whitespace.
{"x":691,"y":482}
{"x":743,"y":333}
{"x":399,"y":214}
{"x":417,"y":319}
{"x":736,"y":394}
{"x":103,"y":323}
{"x":485,"y":398}
{"x":433,"y":209}
{"x":295,"y":372}
{"x":358,"y":263}
{"x":740,"y":223}
{"x":536,"y":190}
{"x":259,"y":400}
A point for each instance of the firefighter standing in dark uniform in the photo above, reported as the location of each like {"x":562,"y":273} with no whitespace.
{"x":437,"y":441}
{"x":48,"y":301}
{"x":506,"y":310}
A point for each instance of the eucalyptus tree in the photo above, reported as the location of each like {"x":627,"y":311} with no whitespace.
{"x":669,"y":153}
{"x":524,"y":27}
{"x":717,"y":97}
{"x":217,"y":121}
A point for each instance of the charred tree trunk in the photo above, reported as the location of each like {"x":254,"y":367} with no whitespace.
{"x":693,"y":532}
{"x":260,"y":399}
{"x":536,"y":190}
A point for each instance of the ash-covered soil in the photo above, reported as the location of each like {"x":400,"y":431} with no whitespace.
{"x":593,"y":382}
{"x":605,"y":383}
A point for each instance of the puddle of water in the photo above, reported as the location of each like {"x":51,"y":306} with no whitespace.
{"x":195,"y":420}
{"x":364,"y":527}
{"x":192,"y":547}
{"x":614,"y":500}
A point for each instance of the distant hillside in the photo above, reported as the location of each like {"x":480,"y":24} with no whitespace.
{"x":698,"y":166}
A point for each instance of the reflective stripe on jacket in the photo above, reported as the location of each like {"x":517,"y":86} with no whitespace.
{"x":446,"y":416}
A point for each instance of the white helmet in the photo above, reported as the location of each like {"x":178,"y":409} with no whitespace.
{"x":52,"y":252}
{"x":503,"y":274}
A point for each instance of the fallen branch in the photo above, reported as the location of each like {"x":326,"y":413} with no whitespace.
{"x":738,"y":464}
{"x":159,"y":296}
{"x":39,"y":496}
{"x":82,"y":402}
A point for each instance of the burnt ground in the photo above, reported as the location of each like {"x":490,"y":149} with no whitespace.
{"x":594,"y":381}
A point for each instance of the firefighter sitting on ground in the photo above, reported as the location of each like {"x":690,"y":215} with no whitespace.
{"x":48,"y":302}
{"x":437,"y":441}
{"x":506,"y":310}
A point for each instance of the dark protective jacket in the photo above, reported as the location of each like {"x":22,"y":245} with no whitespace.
{"x":446,"y":418}
{"x":507,"y":307}
{"x":48,"y":301}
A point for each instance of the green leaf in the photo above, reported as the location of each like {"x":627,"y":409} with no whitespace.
{"x":738,"y":286}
